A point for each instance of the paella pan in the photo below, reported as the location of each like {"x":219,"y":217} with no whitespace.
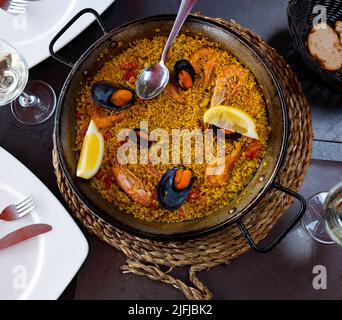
{"x":120,"y":54}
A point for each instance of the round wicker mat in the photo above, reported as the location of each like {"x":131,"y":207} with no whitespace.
{"x":156,"y":260}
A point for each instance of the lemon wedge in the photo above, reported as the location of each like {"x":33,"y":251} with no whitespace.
{"x":233,"y":119}
{"x":91,"y":153}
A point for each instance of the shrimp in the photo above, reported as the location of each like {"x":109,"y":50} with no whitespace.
{"x":153,"y":171}
{"x":106,"y":122}
{"x":133,"y":186}
{"x":228,"y":84}
{"x":204,"y":61}
{"x":172,"y":92}
{"x":217,"y":172}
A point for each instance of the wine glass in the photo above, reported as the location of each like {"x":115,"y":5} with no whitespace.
{"x":323,"y":219}
{"x":32,"y":102}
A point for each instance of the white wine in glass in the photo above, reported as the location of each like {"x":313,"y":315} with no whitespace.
{"x":31,"y":102}
{"x":323,"y":219}
{"x":13,"y":74}
{"x":333,"y":213}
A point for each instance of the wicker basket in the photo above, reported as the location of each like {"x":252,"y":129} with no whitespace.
{"x":156,"y":259}
{"x":300,"y":16}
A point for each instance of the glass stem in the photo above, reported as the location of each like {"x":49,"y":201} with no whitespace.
{"x":27,"y":100}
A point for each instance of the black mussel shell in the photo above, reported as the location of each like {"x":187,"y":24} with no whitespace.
{"x":102,"y":91}
{"x":169,"y":197}
{"x":184,"y":65}
{"x":231,"y":137}
{"x":140,"y":137}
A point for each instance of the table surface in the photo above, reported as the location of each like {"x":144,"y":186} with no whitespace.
{"x":286,"y":272}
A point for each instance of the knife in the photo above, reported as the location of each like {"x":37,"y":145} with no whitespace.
{"x":23,"y":234}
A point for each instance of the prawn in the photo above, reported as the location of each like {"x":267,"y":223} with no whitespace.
{"x":105,"y":122}
{"x":153,"y":171}
{"x":217,"y":172}
{"x":228,"y":84}
{"x":173,"y":92}
{"x":204,"y":61}
{"x":133,"y":186}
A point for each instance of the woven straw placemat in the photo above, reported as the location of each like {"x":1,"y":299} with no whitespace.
{"x":155,"y":259}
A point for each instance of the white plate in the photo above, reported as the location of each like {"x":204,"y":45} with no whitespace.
{"x":31,"y":32}
{"x":41,"y":267}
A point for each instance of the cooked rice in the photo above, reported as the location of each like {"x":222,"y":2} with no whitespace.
{"x":163,"y":112}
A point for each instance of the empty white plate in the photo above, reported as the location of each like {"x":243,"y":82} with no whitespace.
{"x":32,"y":32}
{"x":41,"y":267}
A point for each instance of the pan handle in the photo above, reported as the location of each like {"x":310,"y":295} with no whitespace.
{"x":278,"y":239}
{"x":67,"y":26}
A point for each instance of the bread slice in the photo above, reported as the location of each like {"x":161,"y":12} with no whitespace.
{"x":325,"y":47}
{"x":338,"y":26}
{"x":338,"y":29}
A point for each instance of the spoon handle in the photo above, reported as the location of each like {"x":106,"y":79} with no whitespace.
{"x":183,"y":12}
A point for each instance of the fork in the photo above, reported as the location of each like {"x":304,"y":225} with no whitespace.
{"x":18,"y":209}
{"x":14,"y":6}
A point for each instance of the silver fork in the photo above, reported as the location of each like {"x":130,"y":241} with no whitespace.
{"x":18,"y":209}
{"x":14,"y":6}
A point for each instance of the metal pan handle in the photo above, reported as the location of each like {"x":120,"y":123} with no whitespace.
{"x":67,"y":26}
{"x":278,"y":239}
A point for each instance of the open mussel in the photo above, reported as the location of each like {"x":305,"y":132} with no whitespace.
{"x":174,"y":188}
{"x":184,"y":74}
{"x":140,"y":137}
{"x":229,"y":135}
{"x":112,"y":96}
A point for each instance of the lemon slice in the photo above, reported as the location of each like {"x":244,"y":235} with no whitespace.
{"x":91,"y":153}
{"x":233,"y":119}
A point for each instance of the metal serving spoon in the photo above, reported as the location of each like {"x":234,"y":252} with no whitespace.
{"x":154,"y":78}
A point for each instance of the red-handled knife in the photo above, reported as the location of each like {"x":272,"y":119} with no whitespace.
{"x":23,"y":234}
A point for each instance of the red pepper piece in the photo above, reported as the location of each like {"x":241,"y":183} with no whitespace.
{"x":108,"y":181}
{"x":253,"y":149}
{"x":99,"y":174}
{"x":107,"y":135}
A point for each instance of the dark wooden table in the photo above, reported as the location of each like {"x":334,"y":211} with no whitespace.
{"x":286,"y":272}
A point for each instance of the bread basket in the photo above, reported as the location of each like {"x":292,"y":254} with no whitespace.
{"x":300,"y":16}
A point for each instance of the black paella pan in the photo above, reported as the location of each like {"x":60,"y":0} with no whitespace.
{"x":263,"y":180}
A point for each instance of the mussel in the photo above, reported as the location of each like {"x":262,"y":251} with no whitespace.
{"x":184,"y":74}
{"x":140,"y":137}
{"x":112,"y":96}
{"x":174,"y":188}
{"x":229,"y":135}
